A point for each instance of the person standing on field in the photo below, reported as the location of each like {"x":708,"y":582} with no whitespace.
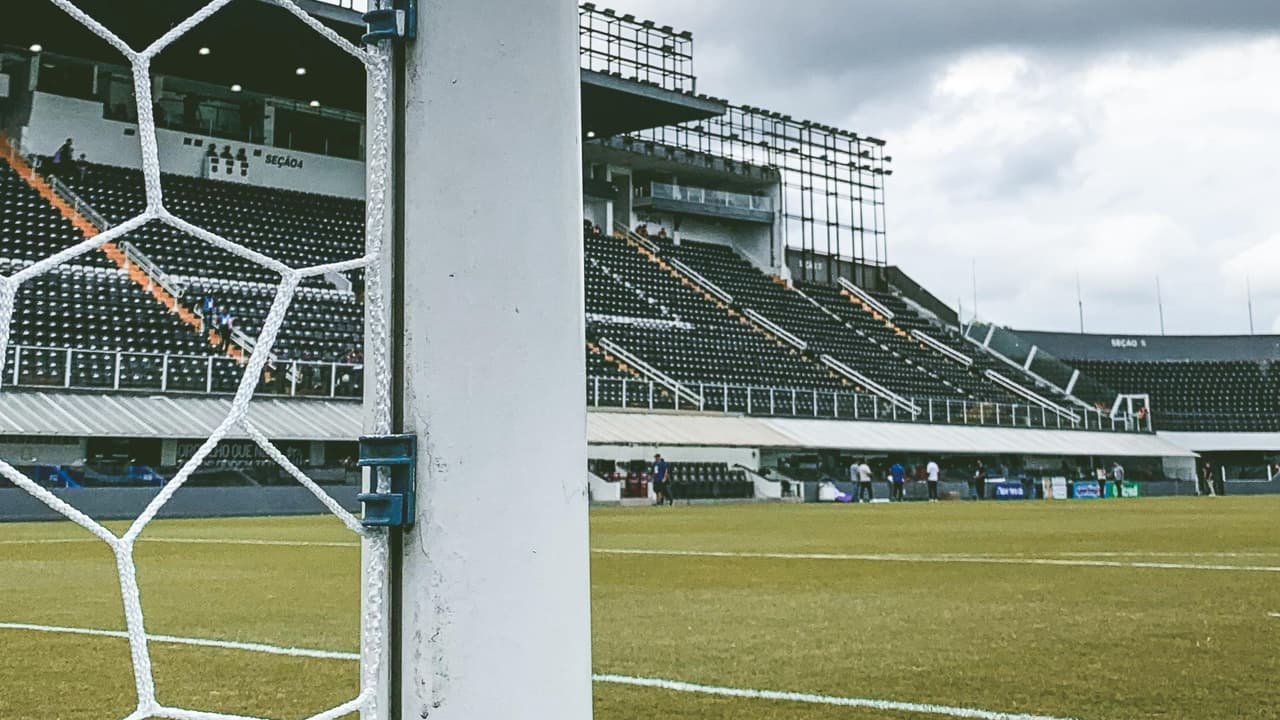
{"x":864,"y":482}
{"x":660,"y":479}
{"x":1117,"y":474}
{"x":979,"y":481}
{"x":898,"y":479}
{"x":931,"y":472}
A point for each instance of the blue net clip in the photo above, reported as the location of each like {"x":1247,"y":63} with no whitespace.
{"x":398,"y":23}
{"x":398,"y":455}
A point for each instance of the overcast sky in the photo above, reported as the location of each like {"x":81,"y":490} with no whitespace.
{"x":1118,"y":139}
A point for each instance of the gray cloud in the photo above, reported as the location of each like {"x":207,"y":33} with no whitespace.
{"x":1133,"y":139}
{"x":757,"y":51}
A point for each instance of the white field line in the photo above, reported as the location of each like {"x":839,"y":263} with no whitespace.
{"x":1274,"y":615}
{"x":973,"y":559}
{"x":188,"y":541}
{"x":659,"y":683}
{"x":172,"y":640}
{"x":1064,"y":559}
{"x":227,"y":541}
{"x":812,"y":699}
{"x":1170,"y":553}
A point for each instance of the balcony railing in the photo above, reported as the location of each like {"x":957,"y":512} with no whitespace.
{"x":715,"y":198}
{"x":48,"y":368}
{"x":840,"y":405}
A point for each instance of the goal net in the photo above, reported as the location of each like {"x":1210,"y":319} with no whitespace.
{"x":376,"y":61}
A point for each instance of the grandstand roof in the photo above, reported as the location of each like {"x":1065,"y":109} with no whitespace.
{"x":259,"y":45}
{"x":1201,"y":442}
{"x":91,"y":415}
{"x":1153,"y":348}
{"x":165,"y":417}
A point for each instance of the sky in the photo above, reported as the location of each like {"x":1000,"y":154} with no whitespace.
{"x":1039,"y":141}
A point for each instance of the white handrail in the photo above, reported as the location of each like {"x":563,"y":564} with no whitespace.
{"x":943,"y":348}
{"x":651,"y":372}
{"x":775,"y":328}
{"x":700,"y":280}
{"x":80,"y":206}
{"x":1034,"y":397}
{"x":866,"y":298}
{"x":152,"y":270}
{"x":1029,"y":373}
{"x":646,"y":242}
{"x":870,"y":384}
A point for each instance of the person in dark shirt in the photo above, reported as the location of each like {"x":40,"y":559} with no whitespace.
{"x":64,"y":159}
{"x":897,"y":486}
{"x":208,"y":313}
{"x":661,"y":487}
{"x":979,"y":481}
{"x":225,"y":325}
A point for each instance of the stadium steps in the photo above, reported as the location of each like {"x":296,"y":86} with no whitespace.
{"x":90,"y":228}
{"x":981,"y":356}
{"x":881,"y":354}
{"x":652,"y":253}
{"x":624,"y":370}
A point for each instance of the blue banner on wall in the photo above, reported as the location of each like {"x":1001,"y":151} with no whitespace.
{"x":1087,"y":490}
{"x":1010,"y":491}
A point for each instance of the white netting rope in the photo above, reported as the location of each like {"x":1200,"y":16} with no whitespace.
{"x":376,"y":61}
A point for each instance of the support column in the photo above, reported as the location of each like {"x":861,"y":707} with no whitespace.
{"x":496,"y":589}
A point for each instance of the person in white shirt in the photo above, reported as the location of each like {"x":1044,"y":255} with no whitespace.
{"x":931,"y":471}
{"x":864,"y":481}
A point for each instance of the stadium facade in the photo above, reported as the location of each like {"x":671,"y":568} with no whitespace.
{"x":742,"y":313}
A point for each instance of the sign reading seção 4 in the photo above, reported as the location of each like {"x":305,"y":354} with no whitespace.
{"x":283,"y":161}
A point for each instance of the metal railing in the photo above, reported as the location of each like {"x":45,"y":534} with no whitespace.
{"x":49,"y":368}
{"x":631,"y":48}
{"x":156,"y":274}
{"x":612,"y":392}
{"x":1032,"y":360}
{"x":83,"y":208}
{"x":715,"y":198}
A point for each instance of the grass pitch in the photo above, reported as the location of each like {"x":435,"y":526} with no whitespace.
{"x":1156,"y":608}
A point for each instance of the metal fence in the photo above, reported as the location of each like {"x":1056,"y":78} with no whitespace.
{"x":50,"y":368}
{"x":841,"y":405}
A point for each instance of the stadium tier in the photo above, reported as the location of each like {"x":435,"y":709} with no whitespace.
{"x":662,"y":319}
{"x":1196,"y":383}
{"x":728,"y":304}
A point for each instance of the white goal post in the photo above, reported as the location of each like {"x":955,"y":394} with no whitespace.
{"x":474,"y":343}
{"x":495,"y":592}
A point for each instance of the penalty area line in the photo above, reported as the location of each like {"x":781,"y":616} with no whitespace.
{"x":655,"y":683}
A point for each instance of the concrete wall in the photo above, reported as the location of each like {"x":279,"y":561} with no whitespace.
{"x":190,"y":502}
{"x":40,"y":453}
{"x":746,"y":457}
{"x":55,"y":118}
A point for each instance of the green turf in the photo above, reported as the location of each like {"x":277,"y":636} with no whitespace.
{"x":1084,"y":642}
